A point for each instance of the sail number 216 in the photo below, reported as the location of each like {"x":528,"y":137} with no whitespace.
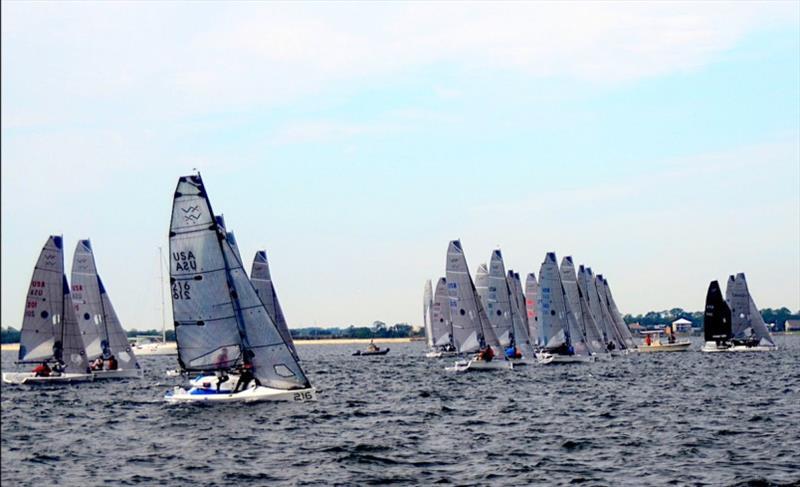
{"x":180,"y":290}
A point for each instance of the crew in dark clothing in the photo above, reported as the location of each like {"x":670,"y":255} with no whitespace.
{"x":487,"y":354}
{"x":245,"y":377}
{"x":112,"y":363}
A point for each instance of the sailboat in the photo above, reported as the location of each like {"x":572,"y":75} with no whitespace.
{"x":746,"y":332}
{"x":150,"y":345}
{"x":559,"y":331}
{"x":221,"y":324}
{"x":497,"y":301}
{"x":101,"y":330}
{"x":471,"y":329}
{"x":522,"y":339}
{"x":427,"y":310}
{"x":441,"y":325}
{"x":531,"y":298}
{"x":579,"y":309}
{"x":588,"y":286}
{"x":262,"y":281}
{"x":616,"y":317}
{"x":50,"y":332}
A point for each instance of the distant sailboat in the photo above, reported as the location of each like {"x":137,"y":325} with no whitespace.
{"x":427,"y":310}
{"x":101,"y":330}
{"x":748,"y":331}
{"x":559,"y":332}
{"x":220,"y":322}
{"x":471,"y":329}
{"x":578,"y":309}
{"x":441,"y":325}
{"x":497,"y":301}
{"x":616,"y":316}
{"x":522,"y":339}
{"x":50,"y":332}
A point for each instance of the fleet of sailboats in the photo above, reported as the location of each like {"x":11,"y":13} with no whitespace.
{"x":231,"y":329}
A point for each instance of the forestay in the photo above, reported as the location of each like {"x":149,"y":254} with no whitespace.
{"x":261,"y":277}
{"x":219,"y":319}
{"x":100,"y":327}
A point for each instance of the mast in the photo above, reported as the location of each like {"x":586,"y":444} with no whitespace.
{"x":161,"y":283}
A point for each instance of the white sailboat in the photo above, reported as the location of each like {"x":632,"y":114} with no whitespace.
{"x":471,"y":329}
{"x":261,"y":278}
{"x":559,"y":333}
{"x":101,"y":330}
{"x":441,"y":325}
{"x":221,"y":324}
{"x":578,"y":309}
{"x":50,"y":334}
{"x":531,"y":300}
{"x":150,"y":344}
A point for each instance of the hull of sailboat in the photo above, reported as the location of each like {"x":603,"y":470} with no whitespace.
{"x":30,"y":378}
{"x":711,"y":347}
{"x":480,"y":365}
{"x":118,"y":374}
{"x":440,"y":354}
{"x":519,"y":362}
{"x":665,"y":347}
{"x":251,"y":394}
{"x":547,"y":358}
{"x":169,"y":348}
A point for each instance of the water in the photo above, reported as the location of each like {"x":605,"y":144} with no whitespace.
{"x":649,"y":419}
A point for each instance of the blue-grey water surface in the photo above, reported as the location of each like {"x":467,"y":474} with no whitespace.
{"x":646,"y":419}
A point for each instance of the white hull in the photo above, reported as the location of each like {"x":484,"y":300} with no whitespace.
{"x":518,"y":362}
{"x":30,"y":378}
{"x":118,"y":374}
{"x":169,"y":348}
{"x":711,"y":347}
{"x":602,"y":357}
{"x":251,"y":394}
{"x":547,"y":358}
{"x":665,"y":347}
{"x":435,"y":354}
{"x":476,"y":365}
{"x":210,"y":382}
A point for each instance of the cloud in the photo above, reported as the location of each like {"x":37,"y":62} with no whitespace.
{"x":171,"y":60}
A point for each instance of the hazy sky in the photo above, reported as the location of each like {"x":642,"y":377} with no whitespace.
{"x":659,"y":144}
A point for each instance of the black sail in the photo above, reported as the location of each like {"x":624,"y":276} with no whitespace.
{"x":717,"y":317}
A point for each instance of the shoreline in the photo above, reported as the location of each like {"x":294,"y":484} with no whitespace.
{"x":324,"y":341}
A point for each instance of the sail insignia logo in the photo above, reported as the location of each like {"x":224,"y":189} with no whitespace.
{"x":191,"y":214}
{"x":49,"y":260}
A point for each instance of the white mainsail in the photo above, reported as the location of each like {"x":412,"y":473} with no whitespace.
{"x":101,"y":330}
{"x":441,"y":325}
{"x":497,"y":300}
{"x":627,"y":336}
{"x":745,"y":316}
{"x":427,"y":310}
{"x":554,"y":331}
{"x":531,"y":300}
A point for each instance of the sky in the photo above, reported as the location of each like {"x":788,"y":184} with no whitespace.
{"x":658,"y":143}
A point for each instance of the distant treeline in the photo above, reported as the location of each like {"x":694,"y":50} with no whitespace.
{"x":378,"y":329}
{"x":654,"y":319}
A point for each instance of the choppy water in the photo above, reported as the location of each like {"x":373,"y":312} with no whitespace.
{"x":649,"y":419}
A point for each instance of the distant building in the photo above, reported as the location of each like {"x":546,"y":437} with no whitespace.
{"x":635,"y":327}
{"x":793,"y":325}
{"x":682,"y":325}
